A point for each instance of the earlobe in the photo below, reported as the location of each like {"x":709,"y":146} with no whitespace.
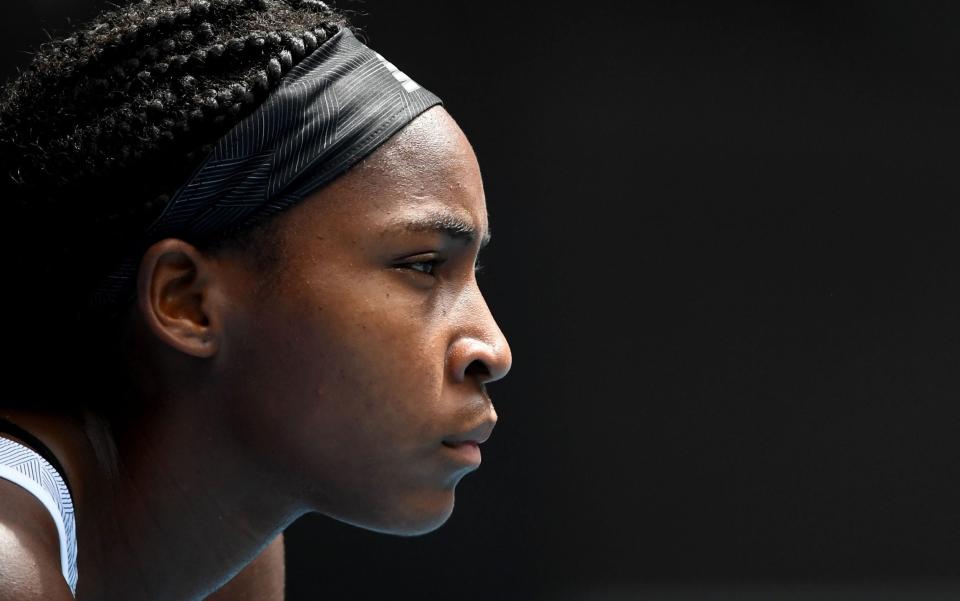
{"x":171,"y":289}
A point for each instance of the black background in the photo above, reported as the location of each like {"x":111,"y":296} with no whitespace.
{"x":725,"y":254}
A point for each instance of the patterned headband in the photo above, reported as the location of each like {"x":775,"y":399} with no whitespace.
{"x":327,"y":113}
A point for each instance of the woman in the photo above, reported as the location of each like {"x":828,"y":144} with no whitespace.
{"x":243,"y":250}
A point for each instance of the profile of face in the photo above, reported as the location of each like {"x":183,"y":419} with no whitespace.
{"x":375,"y":344}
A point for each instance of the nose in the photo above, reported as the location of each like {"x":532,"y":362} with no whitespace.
{"x":479,"y":349}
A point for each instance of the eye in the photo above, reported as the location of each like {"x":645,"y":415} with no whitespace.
{"x":426,"y":267}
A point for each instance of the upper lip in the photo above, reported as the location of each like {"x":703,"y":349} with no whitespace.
{"x":479,"y":434}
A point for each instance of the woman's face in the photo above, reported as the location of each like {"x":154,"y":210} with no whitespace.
{"x":375,"y":345}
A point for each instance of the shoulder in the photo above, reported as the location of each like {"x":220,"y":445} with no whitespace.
{"x":29,"y":549}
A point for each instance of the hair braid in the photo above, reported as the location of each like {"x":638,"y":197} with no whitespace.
{"x":109,"y":120}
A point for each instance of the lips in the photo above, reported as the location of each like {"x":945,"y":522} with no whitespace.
{"x":465,"y":452}
{"x":476,"y":435}
{"x":454,"y":445}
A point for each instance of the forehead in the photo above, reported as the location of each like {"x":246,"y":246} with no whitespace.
{"x":427,"y":166}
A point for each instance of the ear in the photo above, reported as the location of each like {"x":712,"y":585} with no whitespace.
{"x":174,"y":287}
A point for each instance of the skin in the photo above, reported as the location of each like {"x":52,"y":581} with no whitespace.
{"x":331,"y":391}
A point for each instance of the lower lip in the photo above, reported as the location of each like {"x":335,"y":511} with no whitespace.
{"x":467,"y":451}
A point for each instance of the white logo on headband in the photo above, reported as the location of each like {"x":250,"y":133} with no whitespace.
{"x":407,"y":83}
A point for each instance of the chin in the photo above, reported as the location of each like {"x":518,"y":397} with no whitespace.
{"x":415,"y":517}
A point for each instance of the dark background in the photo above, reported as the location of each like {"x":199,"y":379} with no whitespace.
{"x":725,"y":253}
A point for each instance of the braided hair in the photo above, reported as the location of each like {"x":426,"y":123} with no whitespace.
{"x":105,"y":124}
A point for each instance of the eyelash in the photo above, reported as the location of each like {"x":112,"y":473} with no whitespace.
{"x":477,"y":267}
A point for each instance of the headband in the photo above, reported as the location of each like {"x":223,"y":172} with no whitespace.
{"x":327,"y":113}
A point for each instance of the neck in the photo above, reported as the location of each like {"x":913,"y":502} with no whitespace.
{"x":183,"y":512}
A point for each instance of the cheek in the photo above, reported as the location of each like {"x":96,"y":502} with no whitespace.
{"x":345,"y":378}
{"x":369,"y":414}
{"x":376,"y":343}
{"x":346,"y":404}
{"x":380,"y":377}
{"x":354,"y":371}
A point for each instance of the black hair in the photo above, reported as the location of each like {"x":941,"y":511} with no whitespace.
{"x":106,"y":122}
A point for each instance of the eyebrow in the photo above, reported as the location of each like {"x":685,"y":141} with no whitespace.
{"x":445,"y":223}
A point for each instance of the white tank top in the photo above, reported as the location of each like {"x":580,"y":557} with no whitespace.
{"x":24,"y":466}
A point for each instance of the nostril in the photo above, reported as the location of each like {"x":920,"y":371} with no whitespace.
{"x":478,"y":368}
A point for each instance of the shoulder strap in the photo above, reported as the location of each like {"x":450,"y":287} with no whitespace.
{"x":43,"y":450}
{"x":27,"y":468}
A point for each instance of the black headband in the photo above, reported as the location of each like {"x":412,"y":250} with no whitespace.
{"x":326,"y":114}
